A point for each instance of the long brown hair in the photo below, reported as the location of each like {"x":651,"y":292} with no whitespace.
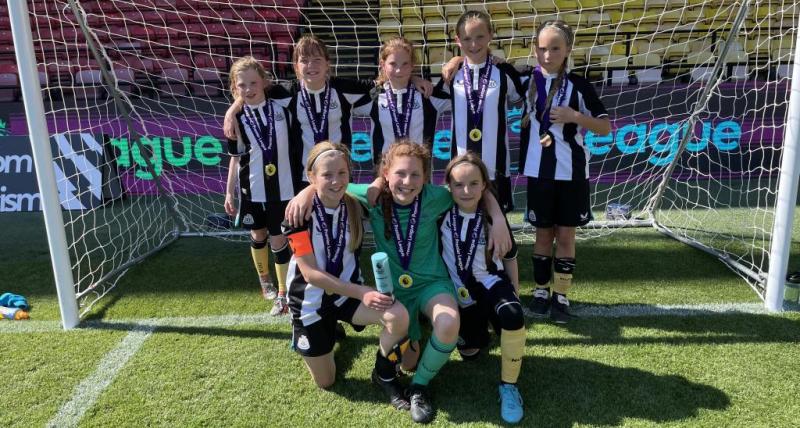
{"x":569,"y":36}
{"x":389,"y":47}
{"x":402,"y":147}
{"x":354,"y":214}
{"x":247,"y":63}
{"x":473,"y":159}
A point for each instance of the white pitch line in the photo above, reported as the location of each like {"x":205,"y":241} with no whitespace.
{"x":88,"y":391}
{"x":625,"y":311}
{"x":583,"y":311}
{"x":29,"y":326}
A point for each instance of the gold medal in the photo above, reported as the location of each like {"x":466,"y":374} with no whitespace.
{"x":270,"y":169}
{"x":406,"y":280}
{"x":475,"y":135}
{"x":463,"y":294}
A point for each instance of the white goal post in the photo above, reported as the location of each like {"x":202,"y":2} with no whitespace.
{"x":704,"y":97}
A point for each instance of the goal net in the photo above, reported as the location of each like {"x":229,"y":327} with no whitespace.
{"x":136,"y":90}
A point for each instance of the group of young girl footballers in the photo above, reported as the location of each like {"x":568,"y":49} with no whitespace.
{"x":451,"y":252}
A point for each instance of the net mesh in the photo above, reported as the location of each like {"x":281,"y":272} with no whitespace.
{"x":161,"y":149}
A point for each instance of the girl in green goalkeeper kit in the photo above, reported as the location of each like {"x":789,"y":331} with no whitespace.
{"x":405,"y":226}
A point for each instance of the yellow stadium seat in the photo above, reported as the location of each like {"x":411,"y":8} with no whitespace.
{"x":584,"y":5}
{"x":452,"y":12}
{"x":692,"y":15}
{"x":389,"y":24}
{"x":432,"y":11}
{"x":494,"y":8}
{"x":435,"y":29}
{"x":527,"y":23}
{"x":598,"y":19}
{"x":545,"y":6}
{"x":480,"y":7}
{"x":652,"y":4}
{"x":649,"y":67}
{"x":519,"y":51}
{"x":700,"y":54}
{"x":524,"y":7}
{"x":389,"y":13}
{"x":504,"y":35}
{"x":502,"y":20}
{"x":646,"y":60}
{"x":389,"y":34}
{"x":677,"y":51}
{"x":408,"y":12}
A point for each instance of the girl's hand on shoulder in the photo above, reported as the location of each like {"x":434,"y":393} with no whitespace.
{"x":564,"y":115}
{"x":298,"y":210}
{"x":374,"y":191}
{"x":423,"y":86}
{"x":377,"y":301}
{"x":499,"y":239}
{"x":229,"y":123}
{"x":450,"y":69}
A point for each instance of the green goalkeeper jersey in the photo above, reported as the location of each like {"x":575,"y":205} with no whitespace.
{"x":426,"y":261}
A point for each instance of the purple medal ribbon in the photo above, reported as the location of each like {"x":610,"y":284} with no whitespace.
{"x":476,"y":106}
{"x":541,"y":98}
{"x":318,"y":124}
{"x":400,"y":125}
{"x":334,"y":250}
{"x":252,"y":123}
{"x":405,"y":246}
{"x":465,"y":253}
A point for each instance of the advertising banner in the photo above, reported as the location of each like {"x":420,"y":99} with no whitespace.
{"x":82,"y":179}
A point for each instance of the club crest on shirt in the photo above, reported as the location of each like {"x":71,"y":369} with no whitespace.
{"x":248,"y":219}
{"x":531,"y":216}
{"x":302,"y":343}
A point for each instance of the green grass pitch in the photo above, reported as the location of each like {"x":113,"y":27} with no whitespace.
{"x":211,"y":357}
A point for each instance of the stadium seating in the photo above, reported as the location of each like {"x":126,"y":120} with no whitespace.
{"x":647,"y":39}
{"x":181,"y":26}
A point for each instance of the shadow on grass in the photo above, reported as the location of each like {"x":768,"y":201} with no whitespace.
{"x":562,"y":392}
{"x":99,"y":310}
{"x":194,"y":330}
{"x":702,"y":328}
{"x":569,"y":391}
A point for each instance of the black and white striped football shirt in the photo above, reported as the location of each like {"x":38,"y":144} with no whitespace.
{"x":346,"y":94}
{"x":309,"y":303}
{"x":505,"y":87}
{"x":254,"y":182}
{"x":424,"y":115}
{"x":567,"y":158}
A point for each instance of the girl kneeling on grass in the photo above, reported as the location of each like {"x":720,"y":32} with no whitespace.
{"x":405,"y":223}
{"x":324,"y":278}
{"x":487,"y":287}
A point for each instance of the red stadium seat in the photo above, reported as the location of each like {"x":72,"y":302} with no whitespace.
{"x":207,"y":82}
{"x":88,"y":84}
